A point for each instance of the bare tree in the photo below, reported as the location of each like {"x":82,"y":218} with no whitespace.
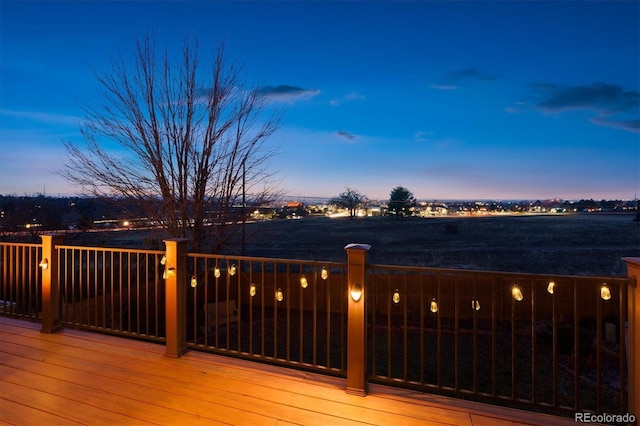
{"x":186,"y":140}
{"x":350,"y":199}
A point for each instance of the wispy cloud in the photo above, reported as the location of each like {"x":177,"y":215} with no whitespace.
{"x":430,"y":138}
{"x":347,"y":136}
{"x":612,"y":106}
{"x":452,"y":79}
{"x":287,"y":94}
{"x":42,"y":117}
{"x":353,"y":96}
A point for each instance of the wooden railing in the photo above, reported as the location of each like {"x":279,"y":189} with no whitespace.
{"x":513,"y":339}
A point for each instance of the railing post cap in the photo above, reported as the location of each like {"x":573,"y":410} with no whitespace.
{"x":356,"y":246}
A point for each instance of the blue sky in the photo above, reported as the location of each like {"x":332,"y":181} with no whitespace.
{"x":453,"y":100}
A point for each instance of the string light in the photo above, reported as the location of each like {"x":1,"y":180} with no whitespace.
{"x":516,"y":293}
{"x":216,"y":272}
{"x":163,"y":260}
{"x":324,"y":274}
{"x":434,"y":306}
{"x":194,"y":282}
{"x":551,"y":287}
{"x":252,"y":290}
{"x":396,"y":297}
{"x":232,"y":270}
{"x":44,"y":263}
{"x":279,"y":295}
{"x":303,"y":282}
{"x":605,"y":292}
{"x":475,"y":304}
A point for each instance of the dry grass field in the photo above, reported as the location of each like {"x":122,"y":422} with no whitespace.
{"x":565,"y":244}
{"x":581,"y":244}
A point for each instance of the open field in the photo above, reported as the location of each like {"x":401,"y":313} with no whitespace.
{"x":567,"y":244}
{"x":554,"y":244}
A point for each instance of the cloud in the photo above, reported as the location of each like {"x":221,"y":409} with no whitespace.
{"x":344,"y":135}
{"x":612,"y":105}
{"x":353,"y":96}
{"x":452,"y":79}
{"x":285,"y":93}
{"x":43,"y":117}
{"x":430,"y":138}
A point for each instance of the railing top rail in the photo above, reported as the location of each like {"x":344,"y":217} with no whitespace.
{"x":612,"y":279}
{"x":110,"y":249}
{"x":30,"y":245}
{"x":263,"y":259}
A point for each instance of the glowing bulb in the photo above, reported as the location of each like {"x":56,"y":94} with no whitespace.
{"x":324,"y":274}
{"x":171,"y":272}
{"x":434,"y":306}
{"x":303,"y":282}
{"x":163,"y":260}
{"x":516,"y":293}
{"x":396,"y":297}
{"x":356,"y":292}
{"x":44,"y":264}
{"x":551,"y":287}
{"x":279,"y":295}
{"x":232,"y":270}
{"x":252,"y":290}
{"x":194,"y":282}
{"x":164,"y":274}
{"x":475,"y":305}
{"x":216,"y":272}
{"x":605,"y":292}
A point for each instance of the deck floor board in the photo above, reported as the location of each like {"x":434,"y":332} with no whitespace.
{"x":77,"y":377}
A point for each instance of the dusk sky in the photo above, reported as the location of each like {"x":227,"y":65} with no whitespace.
{"x":452,"y":100}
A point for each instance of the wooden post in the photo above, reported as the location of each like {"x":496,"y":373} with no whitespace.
{"x":356,"y":320}
{"x":633,"y":333}
{"x":51,"y":321}
{"x":175,"y":273}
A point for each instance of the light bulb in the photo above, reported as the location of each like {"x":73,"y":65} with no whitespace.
{"x":551,"y":287}
{"x":475,"y":305}
{"x":163,"y":260}
{"x":396,"y":297}
{"x":516,"y":293}
{"x":194,"y":282}
{"x":434,"y":306}
{"x":44,"y":264}
{"x":252,"y":290}
{"x":279,"y":295}
{"x":605,"y":292}
{"x":324,"y":274}
{"x":232,"y":270}
{"x":356,"y":292}
{"x":216,"y":272}
{"x":303,"y":282}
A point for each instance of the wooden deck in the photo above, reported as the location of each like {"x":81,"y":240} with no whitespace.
{"x":77,"y":377}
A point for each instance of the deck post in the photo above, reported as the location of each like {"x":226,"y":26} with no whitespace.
{"x":175,"y":274}
{"x":356,"y":320}
{"x":51,"y":321}
{"x":633,"y":333}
